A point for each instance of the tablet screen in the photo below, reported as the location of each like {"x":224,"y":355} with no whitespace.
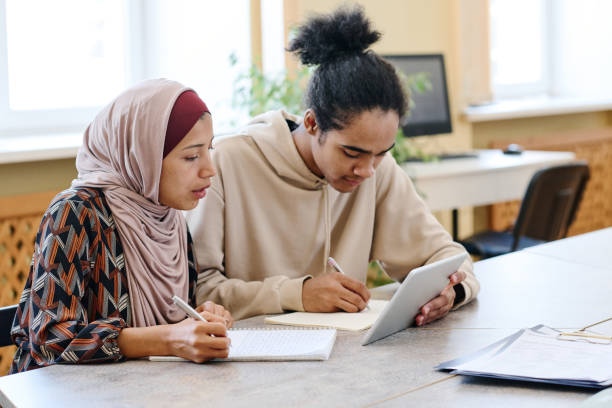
{"x":420,"y":286}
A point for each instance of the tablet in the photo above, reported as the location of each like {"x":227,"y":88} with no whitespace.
{"x":420,"y":286}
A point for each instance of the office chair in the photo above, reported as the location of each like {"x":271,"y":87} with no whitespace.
{"x":7,"y":314}
{"x":547,"y":211}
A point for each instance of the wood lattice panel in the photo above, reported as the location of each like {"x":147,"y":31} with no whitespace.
{"x":595,"y":211}
{"x":19,"y":221}
{"x":17,"y":237}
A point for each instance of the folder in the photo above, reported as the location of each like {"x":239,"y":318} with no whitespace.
{"x":542,"y":354}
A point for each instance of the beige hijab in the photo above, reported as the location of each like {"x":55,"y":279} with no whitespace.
{"x":122,"y":154}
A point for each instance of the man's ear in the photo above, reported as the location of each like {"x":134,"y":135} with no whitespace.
{"x":310,"y":122}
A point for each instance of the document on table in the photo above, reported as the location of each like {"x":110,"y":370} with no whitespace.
{"x":539,"y":354}
{"x":340,"y":320}
{"x":274,"y":345}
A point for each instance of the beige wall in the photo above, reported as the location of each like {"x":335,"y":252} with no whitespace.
{"x":485,"y":133}
{"x":33,"y":177}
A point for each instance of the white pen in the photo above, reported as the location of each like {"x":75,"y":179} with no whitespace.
{"x":332,"y":262}
{"x":187,"y":309}
{"x":191,"y":312}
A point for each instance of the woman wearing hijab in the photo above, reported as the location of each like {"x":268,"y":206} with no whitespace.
{"x":112,"y":250}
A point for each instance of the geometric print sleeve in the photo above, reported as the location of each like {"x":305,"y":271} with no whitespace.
{"x":75,"y":301}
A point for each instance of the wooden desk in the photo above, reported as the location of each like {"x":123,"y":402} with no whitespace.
{"x":518,"y":290}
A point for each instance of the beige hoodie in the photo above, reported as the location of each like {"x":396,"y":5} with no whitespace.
{"x":268,"y":223}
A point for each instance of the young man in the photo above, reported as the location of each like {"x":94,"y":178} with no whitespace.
{"x":292,"y":191}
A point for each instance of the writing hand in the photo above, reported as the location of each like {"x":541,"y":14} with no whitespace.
{"x":221,"y":315}
{"x":198,"y":341}
{"x":441,"y":305}
{"x":332,"y":292}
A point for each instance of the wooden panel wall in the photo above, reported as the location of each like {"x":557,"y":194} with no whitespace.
{"x":19,"y":220}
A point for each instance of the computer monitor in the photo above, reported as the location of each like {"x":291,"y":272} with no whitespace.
{"x":430,"y":114}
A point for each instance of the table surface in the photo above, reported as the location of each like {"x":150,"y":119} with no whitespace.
{"x":591,"y":249}
{"x":518,"y":290}
{"x":490,"y":178}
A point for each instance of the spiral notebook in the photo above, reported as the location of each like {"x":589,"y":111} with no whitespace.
{"x":264,"y":344}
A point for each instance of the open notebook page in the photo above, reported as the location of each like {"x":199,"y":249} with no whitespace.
{"x":275,"y":345}
{"x":286,"y":344}
{"x":340,"y":320}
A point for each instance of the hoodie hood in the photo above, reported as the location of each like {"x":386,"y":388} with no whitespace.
{"x":272,"y":136}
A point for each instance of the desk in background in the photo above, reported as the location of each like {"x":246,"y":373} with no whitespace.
{"x":490,"y":178}
{"x":518,"y":290}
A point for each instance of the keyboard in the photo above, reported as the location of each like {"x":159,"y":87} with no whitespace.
{"x":445,"y":156}
{"x":462,"y":155}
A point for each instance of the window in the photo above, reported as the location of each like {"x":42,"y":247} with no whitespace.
{"x":191,"y":41}
{"x":583,"y":39}
{"x":518,"y":47}
{"x":272,"y":36}
{"x":60,"y":64}
{"x":72,"y":51}
{"x":557,"y":48}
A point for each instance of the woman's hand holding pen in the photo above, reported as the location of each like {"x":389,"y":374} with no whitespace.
{"x":333,"y":292}
{"x":212,"y":309}
{"x":203,"y":335}
{"x":198,"y":341}
{"x":194,"y":338}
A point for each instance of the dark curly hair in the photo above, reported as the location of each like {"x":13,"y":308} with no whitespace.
{"x":349,"y":78}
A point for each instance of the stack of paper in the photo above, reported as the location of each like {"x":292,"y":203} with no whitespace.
{"x":540,"y":354}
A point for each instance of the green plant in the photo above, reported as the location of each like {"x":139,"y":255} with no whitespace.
{"x":256,"y":92}
{"x":403,"y":149}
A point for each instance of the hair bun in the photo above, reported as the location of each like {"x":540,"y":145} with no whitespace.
{"x":325,"y":38}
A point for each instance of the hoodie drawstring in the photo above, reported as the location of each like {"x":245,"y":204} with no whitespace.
{"x":327,"y":227}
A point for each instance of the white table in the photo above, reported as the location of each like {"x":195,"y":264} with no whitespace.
{"x":490,"y":178}
{"x":593,"y":249}
{"x":518,"y":290}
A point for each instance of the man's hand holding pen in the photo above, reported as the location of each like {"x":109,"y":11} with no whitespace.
{"x":333,"y":292}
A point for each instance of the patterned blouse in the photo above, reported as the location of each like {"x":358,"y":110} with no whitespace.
{"x":76,"y":299}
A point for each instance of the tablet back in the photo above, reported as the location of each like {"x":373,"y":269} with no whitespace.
{"x":420,"y":286}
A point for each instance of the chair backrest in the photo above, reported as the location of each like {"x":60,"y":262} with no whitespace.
{"x":551,"y":201}
{"x":7,"y":314}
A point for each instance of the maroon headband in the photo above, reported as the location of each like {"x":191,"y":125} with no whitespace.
{"x":186,"y":111}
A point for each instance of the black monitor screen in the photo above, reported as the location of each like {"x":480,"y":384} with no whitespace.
{"x":430,"y":114}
